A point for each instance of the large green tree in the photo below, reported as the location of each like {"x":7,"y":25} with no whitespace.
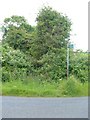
{"x":17,"y":33}
{"x":53,"y":29}
{"x":49,"y":48}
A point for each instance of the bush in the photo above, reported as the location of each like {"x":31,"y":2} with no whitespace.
{"x":53,"y":66}
{"x":15,"y":64}
{"x":79,"y":65}
{"x":5,"y":76}
{"x":72,"y":87}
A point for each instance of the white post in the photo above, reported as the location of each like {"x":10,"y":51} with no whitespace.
{"x":67,"y":60}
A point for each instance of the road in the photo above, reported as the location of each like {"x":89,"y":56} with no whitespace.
{"x":22,"y":107}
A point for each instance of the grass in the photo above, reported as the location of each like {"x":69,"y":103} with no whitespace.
{"x":35,"y":88}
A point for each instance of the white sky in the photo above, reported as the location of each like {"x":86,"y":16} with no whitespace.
{"x":76,"y":10}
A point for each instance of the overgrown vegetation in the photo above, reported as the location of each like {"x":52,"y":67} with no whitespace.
{"x":34,"y":57}
{"x":35,"y":88}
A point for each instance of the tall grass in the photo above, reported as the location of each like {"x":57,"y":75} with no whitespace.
{"x":73,"y":87}
{"x":37,"y":88}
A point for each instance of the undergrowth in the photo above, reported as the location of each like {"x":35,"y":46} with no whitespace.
{"x":32,"y":88}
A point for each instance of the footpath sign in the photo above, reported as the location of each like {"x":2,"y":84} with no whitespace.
{"x":71,"y":46}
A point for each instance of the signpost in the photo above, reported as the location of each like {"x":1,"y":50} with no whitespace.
{"x":69,"y":46}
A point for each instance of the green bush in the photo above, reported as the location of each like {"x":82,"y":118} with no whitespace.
{"x":73,"y":87}
{"x":5,"y":76}
{"x":79,"y":65}
{"x":53,"y":66}
{"x":15,"y":64}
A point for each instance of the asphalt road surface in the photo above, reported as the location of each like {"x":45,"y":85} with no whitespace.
{"x":22,"y":107}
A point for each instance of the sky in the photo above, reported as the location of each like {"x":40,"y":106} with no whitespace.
{"x":76,"y":10}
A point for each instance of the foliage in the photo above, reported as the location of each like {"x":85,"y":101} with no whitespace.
{"x":40,"y":51}
{"x":53,"y":29}
{"x":14,"y":63}
{"x":79,"y":65}
{"x":18,"y":33}
{"x":74,"y":87}
{"x":53,"y":65}
{"x":49,"y":47}
{"x":35,"y":88}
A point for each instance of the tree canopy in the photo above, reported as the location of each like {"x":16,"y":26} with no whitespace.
{"x":39,"y":50}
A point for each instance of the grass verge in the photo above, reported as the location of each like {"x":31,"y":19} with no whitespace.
{"x":33,"y":88}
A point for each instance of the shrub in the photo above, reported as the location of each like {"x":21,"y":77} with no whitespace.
{"x":72,"y":87}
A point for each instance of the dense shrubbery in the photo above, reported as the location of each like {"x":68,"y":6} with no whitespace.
{"x":14,"y":63}
{"x":79,"y":65}
{"x":40,"y":50}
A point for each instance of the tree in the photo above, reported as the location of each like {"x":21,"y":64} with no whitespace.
{"x":17,"y":33}
{"x":53,"y":29}
{"x":49,"y":48}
